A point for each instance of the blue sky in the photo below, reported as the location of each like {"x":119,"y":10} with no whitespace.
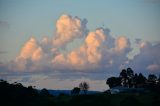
{"x":22,"y":19}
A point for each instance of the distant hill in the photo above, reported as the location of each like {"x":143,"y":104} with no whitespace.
{"x":68,"y":92}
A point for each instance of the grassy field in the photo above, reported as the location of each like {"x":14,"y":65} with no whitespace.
{"x":123,"y":99}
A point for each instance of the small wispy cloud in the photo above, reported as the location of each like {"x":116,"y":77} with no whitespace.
{"x":4,"y":25}
{"x":3,"y":52}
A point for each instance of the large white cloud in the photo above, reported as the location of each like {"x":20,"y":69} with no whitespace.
{"x":68,"y":28}
{"x":98,"y":51}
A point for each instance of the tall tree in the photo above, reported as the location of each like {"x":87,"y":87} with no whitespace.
{"x":130,"y":73}
{"x":84,"y":86}
{"x":130,"y":76}
{"x":135,"y":80}
{"x":159,"y":80}
{"x":124,"y":79}
{"x":123,"y":73}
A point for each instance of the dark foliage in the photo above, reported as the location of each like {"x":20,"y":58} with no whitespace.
{"x":130,"y":101}
{"x":75,"y":91}
{"x":17,"y":95}
{"x":113,"y":81}
{"x":91,"y":100}
{"x":127,"y":78}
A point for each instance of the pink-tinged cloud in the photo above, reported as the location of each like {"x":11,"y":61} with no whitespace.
{"x":154,"y":67}
{"x":68,"y":28}
{"x":94,"y":42}
{"x":28,"y":49}
{"x":122,"y":43}
{"x":88,"y":55}
{"x":98,"y":50}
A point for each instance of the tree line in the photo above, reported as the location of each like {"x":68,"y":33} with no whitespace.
{"x":15,"y":94}
{"x":127,"y":78}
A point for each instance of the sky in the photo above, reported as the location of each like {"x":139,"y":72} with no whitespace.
{"x":56,"y":44}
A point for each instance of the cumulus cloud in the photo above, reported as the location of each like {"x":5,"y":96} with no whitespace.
{"x":148,"y":59}
{"x":122,"y":44}
{"x":30,"y":50}
{"x":33,"y":56}
{"x":93,"y":42}
{"x":99,"y":51}
{"x":87,"y":53}
{"x":68,"y":28}
{"x":95,"y":52}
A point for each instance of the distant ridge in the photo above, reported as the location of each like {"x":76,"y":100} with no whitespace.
{"x":68,"y":92}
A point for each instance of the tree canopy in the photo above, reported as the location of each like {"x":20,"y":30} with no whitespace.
{"x":127,"y":78}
